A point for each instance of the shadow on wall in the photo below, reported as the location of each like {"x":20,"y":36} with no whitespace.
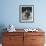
{"x":2,"y":26}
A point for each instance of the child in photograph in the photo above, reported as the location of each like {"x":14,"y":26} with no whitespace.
{"x":26,"y":13}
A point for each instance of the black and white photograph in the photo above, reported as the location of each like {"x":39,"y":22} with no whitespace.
{"x":26,"y":13}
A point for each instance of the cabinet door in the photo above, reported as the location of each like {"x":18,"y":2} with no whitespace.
{"x":5,"y":41}
{"x":27,"y":40}
{"x":18,"y":41}
{"x":37,"y":40}
{"x":13,"y":40}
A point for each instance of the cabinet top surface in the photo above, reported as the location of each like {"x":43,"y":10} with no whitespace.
{"x":22,"y":30}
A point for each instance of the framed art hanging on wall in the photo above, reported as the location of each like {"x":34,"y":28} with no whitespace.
{"x":26,"y":13}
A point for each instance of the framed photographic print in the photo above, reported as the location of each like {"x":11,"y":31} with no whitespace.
{"x":26,"y":13}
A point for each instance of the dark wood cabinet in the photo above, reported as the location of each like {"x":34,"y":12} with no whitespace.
{"x":23,"y":39}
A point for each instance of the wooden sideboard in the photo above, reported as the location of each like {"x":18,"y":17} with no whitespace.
{"x":23,"y":38}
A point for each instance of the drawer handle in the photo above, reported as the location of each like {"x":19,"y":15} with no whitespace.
{"x":11,"y":38}
{"x":33,"y":39}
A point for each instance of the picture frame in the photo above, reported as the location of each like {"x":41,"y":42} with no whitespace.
{"x":26,"y":13}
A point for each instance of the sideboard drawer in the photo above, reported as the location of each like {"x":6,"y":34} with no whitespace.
{"x":13,"y":33}
{"x":37,"y":39}
{"x":34,"y":33}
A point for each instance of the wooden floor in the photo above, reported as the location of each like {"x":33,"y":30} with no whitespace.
{"x":0,"y":44}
